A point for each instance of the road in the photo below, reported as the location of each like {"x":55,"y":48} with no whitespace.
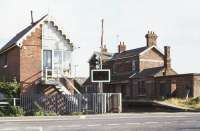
{"x":106,"y":122}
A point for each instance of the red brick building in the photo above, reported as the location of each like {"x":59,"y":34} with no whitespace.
{"x":39,"y":58}
{"x":145,"y":72}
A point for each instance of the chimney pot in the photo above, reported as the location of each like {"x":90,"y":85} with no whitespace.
{"x":151,"y":38}
{"x":121,"y":47}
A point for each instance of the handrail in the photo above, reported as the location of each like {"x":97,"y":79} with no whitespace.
{"x":72,"y":85}
{"x":61,"y":73}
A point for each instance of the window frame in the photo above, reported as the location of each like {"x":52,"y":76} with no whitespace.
{"x":133,"y":65}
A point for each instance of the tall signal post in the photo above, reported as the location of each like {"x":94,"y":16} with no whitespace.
{"x":100,"y":88}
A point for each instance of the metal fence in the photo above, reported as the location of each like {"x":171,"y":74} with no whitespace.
{"x":63,"y":104}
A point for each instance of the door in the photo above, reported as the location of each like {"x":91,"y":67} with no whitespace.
{"x":165,"y":90}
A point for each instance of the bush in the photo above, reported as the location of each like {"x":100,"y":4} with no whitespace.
{"x":11,"y":111}
{"x":10,"y":89}
{"x":18,"y":111}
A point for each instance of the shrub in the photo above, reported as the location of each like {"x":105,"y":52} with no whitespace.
{"x":18,"y":111}
{"x":40,"y":113}
{"x":11,"y":111}
{"x":10,"y":89}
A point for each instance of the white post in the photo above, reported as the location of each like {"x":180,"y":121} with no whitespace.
{"x":46,"y":74}
{"x":14,"y":101}
{"x":104,"y":102}
{"x":120,"y":102}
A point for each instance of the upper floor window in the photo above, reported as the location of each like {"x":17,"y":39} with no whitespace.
{"x":133,"y":65}
{"x":122,"y":67}
{"x":3,"y":60}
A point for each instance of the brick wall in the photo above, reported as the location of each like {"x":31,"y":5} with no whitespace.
{"x":149,"y":86}
{"x":196,"y":85}
{"x":12,"y":70}
{"x":30,"y":61}
{"x":167,"y":86}
{"x":177,"y":85}
{"x":150,"y":59}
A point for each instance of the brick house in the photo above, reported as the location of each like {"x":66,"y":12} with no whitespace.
{"x":39,"y":58}
{"x":145,"y":72}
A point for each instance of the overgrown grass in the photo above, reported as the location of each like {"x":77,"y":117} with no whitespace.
{"x":193,"y":103}
{"x":76,"y":113}
{"x":11,"y":111}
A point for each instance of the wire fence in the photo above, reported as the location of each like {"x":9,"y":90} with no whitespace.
{"x":63,"y":104}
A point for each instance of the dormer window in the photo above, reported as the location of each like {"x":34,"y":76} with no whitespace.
{"x":133,"y":65}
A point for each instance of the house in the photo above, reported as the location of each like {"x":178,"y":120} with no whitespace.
{"x":144,"y":72}
{"x":39,"y":58}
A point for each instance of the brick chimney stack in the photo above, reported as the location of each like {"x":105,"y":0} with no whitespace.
{"x":121,"y":47}
{"x":151,"y":38}
{"x":167,"y":59}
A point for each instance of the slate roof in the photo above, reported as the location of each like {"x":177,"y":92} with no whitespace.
{"x":104,"y":55}
{"x":150,"y":72}
{"x":120,"y":78}
{"x":129,"y":53}
{"x":19,"y":35}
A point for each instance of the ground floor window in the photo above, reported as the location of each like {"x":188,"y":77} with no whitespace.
{"x":141,"y":88}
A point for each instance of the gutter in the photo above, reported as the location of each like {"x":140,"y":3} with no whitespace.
{"x":7,"y":49}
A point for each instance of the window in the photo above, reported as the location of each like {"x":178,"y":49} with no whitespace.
{"x":66,"y":59}
{"x":47,"y":59}
{"x":122,"y":67}
{"x":3,"y":61}
{"x":141,"y":88}
{"x":115,"y":68}
{"x":57,"y":60}
{"x":133,"y":65}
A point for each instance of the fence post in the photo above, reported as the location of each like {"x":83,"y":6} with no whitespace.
{"x":14,"y":101}
{"x":105,"y":102}
{"x":120,"y":103}
{"x":56,"y":97}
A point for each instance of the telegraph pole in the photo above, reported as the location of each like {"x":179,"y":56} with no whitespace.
{"x":100,"y":89}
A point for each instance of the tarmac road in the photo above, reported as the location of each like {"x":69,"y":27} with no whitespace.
{"x":106,"y":122}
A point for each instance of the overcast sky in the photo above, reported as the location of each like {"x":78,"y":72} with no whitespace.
{"x":176,"y":22}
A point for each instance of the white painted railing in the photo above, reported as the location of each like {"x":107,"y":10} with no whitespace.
{"x":56,"y":76}
{"x":93,"y":103}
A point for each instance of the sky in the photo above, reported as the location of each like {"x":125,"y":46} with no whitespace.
{"x":176,"y":22}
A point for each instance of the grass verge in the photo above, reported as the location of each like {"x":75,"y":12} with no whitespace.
{"x":193,"y":103}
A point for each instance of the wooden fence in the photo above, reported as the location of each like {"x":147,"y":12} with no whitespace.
{"x":91,"y":103}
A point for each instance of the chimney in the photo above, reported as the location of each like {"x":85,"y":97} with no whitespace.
{"x":121,"y":47}
{"x":151,"y":38}
{"x":167,"y":59}
{"x":32,"y":21}
{"x":104,"y":49}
